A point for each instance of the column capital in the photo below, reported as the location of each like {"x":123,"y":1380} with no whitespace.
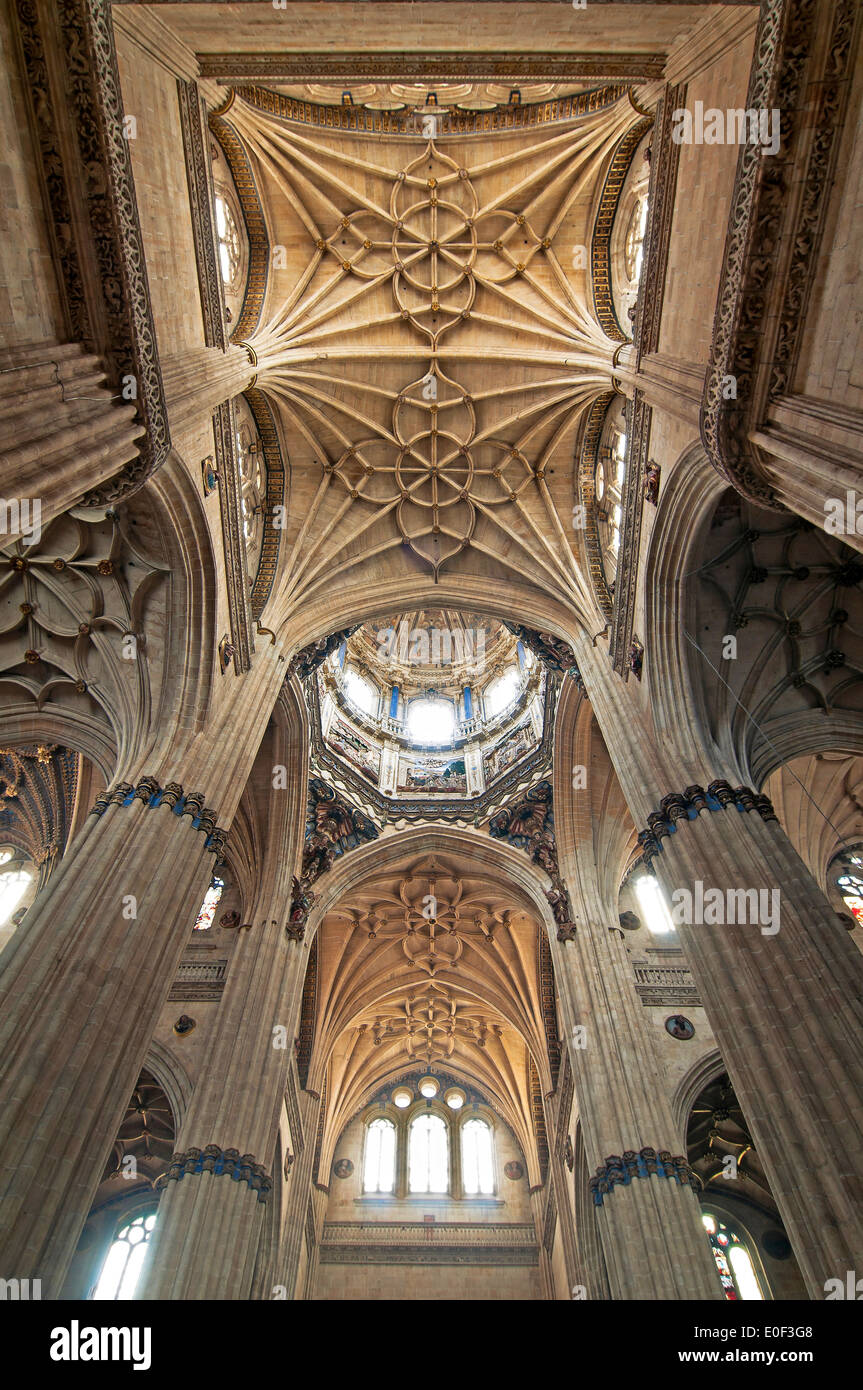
{"x":180,"y":802}
{"x":220,"y":1162}
{"x":619,"y":1170}
{"x":688,"y":804}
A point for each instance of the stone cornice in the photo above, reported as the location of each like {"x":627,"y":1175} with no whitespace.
{"x":778,"y":208}
{"x":357,"y":119}
{"x":437,"y":66}
{"x":690,"y":803}
{"x":275,"y":465}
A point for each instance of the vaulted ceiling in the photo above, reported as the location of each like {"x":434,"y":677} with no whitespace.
{"x":430,"y":340}
{"x":431,"y":963}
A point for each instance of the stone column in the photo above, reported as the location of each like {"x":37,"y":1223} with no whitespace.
{"x":211,"y":1213}
{"x":61,"y":431}
{"x":648,"y":1214}
{"x":198,"y":380}
{"x":83,"y":981}
{"x":81,"y":986}
{"x":786,"y":1005}
{"x":783,"y":989}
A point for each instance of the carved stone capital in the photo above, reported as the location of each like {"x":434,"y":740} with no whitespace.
{"x":221,"y":1163}
{"x":686,"y":805}
{"x":619,"y":1170}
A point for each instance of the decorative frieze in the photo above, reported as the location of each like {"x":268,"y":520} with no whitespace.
{"x":690,"y":803}
{"x":619,"y":1170}
{"x":194,"y":128}
{"x":586,"y":487}
{"x":639,"y":418}
{"x":180,"y":803}
{"x":776,"y":201}
{"x":198,"y":980}
{"x":233,"y":539}
{"x":428,"y":1242}
{"x":275,"y":468}
{"x":221,"y":1163}
{"x":427,"y":65}
{"x":600,"y":246}
{"x":253,"y":216}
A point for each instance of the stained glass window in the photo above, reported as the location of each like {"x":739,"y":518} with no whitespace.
{"x":733,"y":1261}
{"x":477,"y":1158}
{"x":122,"y":1267}
{"x":850,"y":885}
{"x":379,"y":1169}
{"x":428,"y":1154}
{"x":204,"y":919}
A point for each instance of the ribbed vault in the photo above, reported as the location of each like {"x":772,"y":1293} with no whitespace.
{"x":432,"y":962}
{"x":429,"y":340}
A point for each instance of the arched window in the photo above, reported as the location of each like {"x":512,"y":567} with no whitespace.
{"x":633,"y":249}
{"x":500,"y":693}
{"x":431,"y":721}
{"x":428,"y":1154}
{"x":379,"y":1167}
{"x":850,"y":883}
{"x":653,"y":905}
{"x":15,"y":879}
{"x":122,"y":1267}
{"x":253,"y":488}
{"x":733,"y":1261}
{"x":362,"y":694}
{"x":229,"y":242}
{"x":477,"y":1158}
{"x":204,"y":919}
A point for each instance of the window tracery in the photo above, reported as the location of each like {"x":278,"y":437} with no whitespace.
{"x":230,"y":244}
{"x":848,"y":877}
{"x":633,"y":249}
{"x":122,"y":1268}
{"x":733,"y":1261}
{"x":253,"y":488}
{"x":428,"y":1155}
